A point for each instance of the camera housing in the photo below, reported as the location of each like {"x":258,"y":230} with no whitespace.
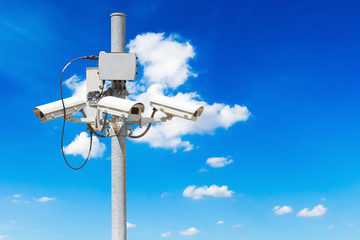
{"x":121,"y":107}
{"x":55,"y":110}
{"x":177,"y":108}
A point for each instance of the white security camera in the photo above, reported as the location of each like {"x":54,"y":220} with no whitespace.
{"x":173,"y":107}
{"x":121,"y":107}
{"x":55,"y":110}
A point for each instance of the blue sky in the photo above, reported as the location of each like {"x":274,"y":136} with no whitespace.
{"x":292,"y":65}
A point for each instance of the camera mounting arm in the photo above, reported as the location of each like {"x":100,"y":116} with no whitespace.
{"x":146,"y":120}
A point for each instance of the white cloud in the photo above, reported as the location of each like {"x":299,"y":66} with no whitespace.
{"x":19,"y":201}
{"x":130,"y":225}
{"x":3,"y":237}
{"x":165,"y":60}
{"x":218,"y":162}
{"x":282,"y":210}
{"x":164,"y":194}
{"x":166,"y":234}
{"x":220,"y":222}
{"x":202,"y":170}
{"x":213,"y":190}
{"x":331,"y":227}
{"x":76,"y":85}
{"x":323,"y":199}
{"x":238,"y":225}
{"x":318,"y":210}
{"x":190,"y":231}
{"x":80,"y":146}
{"x":169,"y":135}
{"x":166,"y":67}
{"x":45,"y":199}
{"x":16,"y":195}
{"x":351,"y":224}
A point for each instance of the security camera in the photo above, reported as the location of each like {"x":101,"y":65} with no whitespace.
{"x":173,"y":107}
{"x":121,"y":107}
{"x":55,"y":110}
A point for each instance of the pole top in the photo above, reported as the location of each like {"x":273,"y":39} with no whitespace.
{"x":117,"y":14}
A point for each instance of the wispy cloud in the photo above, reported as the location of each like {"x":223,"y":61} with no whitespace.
{"x":130,"y":225}
{"x":238,"y":225}
{"x":318,"y":210}
{"x":189,"y":231}
{"x":164,"y":194}
{"x":45,"y":199}
{"x":282,"y":210}
{"x":80,"y":146}
{"x":220,"y":222}
{"x":3,"y":237}
{"x":331,"y":227}
{"x":218,"y":162}
{"x":19,"y":201}
{"x":4,"y":227}
{"x":166,"y":234}
{"x":213,"y":191}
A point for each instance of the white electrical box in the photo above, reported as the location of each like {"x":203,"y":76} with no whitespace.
{"x":117,"y":66}
{"x":93,"y":84}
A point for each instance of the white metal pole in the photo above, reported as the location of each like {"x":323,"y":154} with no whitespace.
{"x":118,"y":145}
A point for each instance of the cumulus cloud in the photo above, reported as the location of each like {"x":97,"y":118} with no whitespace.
{"x":80,"y":146}
{"x":130,"y":225}
{"x":220,"y":222}
{"x":282,"y":210}
{"x":190,"y":231}
{"x":76,"y":85}
{"x":218,"y":162}
{"x":166,"y":67}
{"x":318,"y":210}
{"x":165,"y":62}
{"x":238,"y":225}
{"x":169,"y":135}
{"x":213,"y":190}
{"x":166,"y":234}
{"x":45,"y":199}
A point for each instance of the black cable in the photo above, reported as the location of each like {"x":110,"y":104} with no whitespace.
{"x":147,"y":128}
{"x":95,"y":133}
{"x":92,"y":57}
